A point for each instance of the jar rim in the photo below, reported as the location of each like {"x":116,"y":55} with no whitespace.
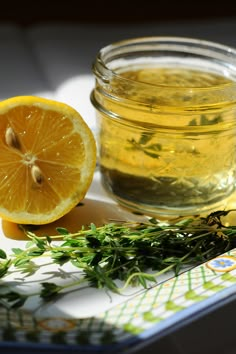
{"x":187,"y":45}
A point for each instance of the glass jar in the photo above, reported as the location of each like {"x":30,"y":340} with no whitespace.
{"x":166,"y":109}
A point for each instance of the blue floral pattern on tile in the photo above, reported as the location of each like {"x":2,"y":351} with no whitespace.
{"x":222,"y":263}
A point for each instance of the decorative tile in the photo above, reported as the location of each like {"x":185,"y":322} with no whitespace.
{"x":124,"y":323}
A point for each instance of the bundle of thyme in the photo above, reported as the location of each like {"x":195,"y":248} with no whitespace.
{"x":118,"y":251}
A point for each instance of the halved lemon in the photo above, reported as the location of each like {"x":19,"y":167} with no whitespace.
{"x":47,"y":159}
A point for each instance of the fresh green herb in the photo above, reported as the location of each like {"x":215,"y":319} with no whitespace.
{"x":135,"y":253}
{"x":206,"y":121}
{"x":143,"y":145}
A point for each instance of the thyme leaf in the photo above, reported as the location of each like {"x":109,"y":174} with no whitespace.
{"x":144,"y":145}
{"x":206,"y":121}
{"x":132,"y":252}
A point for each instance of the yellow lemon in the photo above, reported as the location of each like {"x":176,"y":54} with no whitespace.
{"x":47,"y":159}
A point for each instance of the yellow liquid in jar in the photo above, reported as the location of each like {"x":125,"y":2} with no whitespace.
{"x":189,"y":165}
{"x":175,"y":77}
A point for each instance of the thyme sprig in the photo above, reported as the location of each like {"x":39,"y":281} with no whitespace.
{"x":132,"y":252}
{"x":144,"y":145}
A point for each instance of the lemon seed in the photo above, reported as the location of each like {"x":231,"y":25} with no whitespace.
{"x":11,"y":138}
{"x":36,"y":174}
